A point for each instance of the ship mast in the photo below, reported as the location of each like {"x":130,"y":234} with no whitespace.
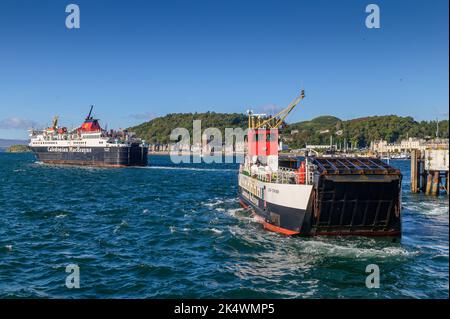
{"x":89,"y":117}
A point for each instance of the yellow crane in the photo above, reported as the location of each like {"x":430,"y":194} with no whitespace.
{"x":257,"y":121}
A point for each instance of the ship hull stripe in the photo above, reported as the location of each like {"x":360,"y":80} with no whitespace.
{"x":280,"y":230}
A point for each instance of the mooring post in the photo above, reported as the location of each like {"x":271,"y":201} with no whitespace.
{"x":435,"y":189}
{"x":423,"y":175}
{"x":447,"y":175}
{"x":429,"y":182}
{"x":419,"y":170}
{"x":414,"y":171}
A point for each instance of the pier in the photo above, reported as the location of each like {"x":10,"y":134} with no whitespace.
{"x":430,"y":171}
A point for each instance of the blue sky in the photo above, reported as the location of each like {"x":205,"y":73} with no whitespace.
{"x":137,"y":59}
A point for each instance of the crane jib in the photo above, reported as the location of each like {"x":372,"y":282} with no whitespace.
{"x":257,"y":121}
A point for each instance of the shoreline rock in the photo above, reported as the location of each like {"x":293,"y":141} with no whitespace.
{"x":18,"y":149}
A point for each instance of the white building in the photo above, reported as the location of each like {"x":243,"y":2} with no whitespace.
{"x":407,"y":145}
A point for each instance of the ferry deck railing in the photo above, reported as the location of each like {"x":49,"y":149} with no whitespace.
{"x":284,"y":175}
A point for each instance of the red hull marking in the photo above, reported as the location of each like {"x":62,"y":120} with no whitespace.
{"x":280,"y":230}
{"x":243,"y":204}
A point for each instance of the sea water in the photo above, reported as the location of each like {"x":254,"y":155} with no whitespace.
{"x":177,"y":230}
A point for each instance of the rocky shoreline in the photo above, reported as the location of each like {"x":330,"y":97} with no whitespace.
{"x":18,"y":149}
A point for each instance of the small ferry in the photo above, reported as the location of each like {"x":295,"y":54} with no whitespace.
{"x":315,"y":195}
{"x":87,"y":145}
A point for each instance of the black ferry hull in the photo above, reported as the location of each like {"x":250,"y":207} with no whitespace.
{"x":134,"y":155}
{"x":329,"y":208}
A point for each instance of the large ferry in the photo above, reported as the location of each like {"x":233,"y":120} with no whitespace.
{"x":316,"y":195}
{"x":87,"y":145}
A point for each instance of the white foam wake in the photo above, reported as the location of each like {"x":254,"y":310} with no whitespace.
{"x":427,"y":208}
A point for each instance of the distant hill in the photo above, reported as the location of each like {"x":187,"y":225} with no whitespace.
{"x":359,"y":131}
{"x":317,"y":124}
{"x":158,"y":130}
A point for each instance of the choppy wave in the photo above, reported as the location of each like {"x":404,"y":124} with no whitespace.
{"x":147,"y":233}
{"x":436,"y":207}
{"x":213,"y":203}
{"x":349,"y":250}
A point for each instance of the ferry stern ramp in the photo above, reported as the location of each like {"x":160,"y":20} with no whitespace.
{"x":355,"y":196}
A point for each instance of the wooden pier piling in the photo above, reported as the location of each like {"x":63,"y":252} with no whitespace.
{"x":428,"y":169}
{"x":435,"y":187}
{"x":428,"y":184}
{"x":447,"y":175}
{"x":423,"y":179}
{"x":415,"y":171}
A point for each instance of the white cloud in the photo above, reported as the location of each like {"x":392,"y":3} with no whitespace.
{"x":14,"y":123}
